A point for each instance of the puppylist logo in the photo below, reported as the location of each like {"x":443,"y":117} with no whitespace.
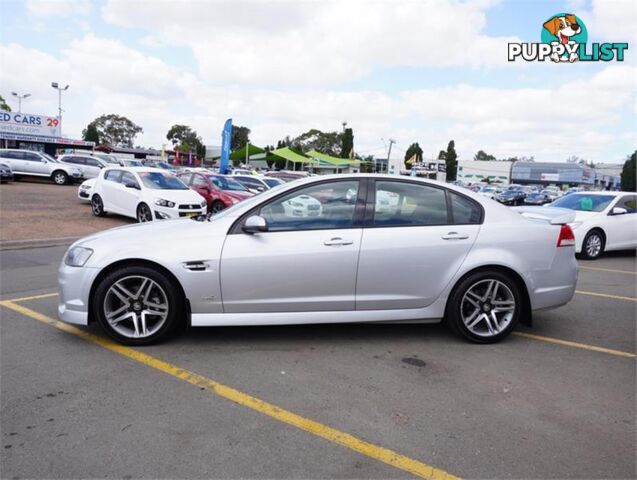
{"x":563,"y":39}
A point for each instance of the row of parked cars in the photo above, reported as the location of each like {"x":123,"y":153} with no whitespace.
{"x":518,"y":194}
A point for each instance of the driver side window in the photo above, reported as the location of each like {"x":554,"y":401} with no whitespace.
{"x":323,"y":206}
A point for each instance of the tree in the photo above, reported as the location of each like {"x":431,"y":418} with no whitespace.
{"x":186,"y":139}
{"x":628,"y":173}
{"x":483,"y":156}
{"x":4,"y":105}
{"x":442,"y":155}
{"x":414,"y":149}
{"x":325,"y":142}
{"x":115,"y":130}
{"x":451,"y":161}
{"x":240,"y":136}
{"x":90,"y":134}
{"x":347,"y":143}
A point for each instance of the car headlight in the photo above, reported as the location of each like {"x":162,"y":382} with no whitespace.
{"x":574,"y":225}
{"x":77,"y":256}
{"x":85,"y":187}
{"x":203,"y":204}
{"x":164,"y":203}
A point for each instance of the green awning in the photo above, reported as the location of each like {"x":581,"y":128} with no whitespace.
{"x":328,"y":159}
{"x":291,"y":156}
{"x":241,"y":153}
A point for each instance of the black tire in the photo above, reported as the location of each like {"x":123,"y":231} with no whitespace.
{"x":144,"y":213}
{"x":593,"y":245}
{"x":59,"y":177}
{"x":173,"y":294}
{"x":457,"y":305}
{"x":97,"y":206}
{"x":217,"y":206}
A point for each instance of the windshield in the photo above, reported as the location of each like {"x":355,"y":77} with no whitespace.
{"x":162,"y":181}
{"x":224,"y":183}
{"x":133,"y":163}
{"x":272,"y":182}
{"x":584,"y":202}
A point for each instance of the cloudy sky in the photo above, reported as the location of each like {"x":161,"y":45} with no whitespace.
{"x":425,"y":71}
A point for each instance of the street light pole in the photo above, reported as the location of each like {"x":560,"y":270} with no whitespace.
{"x":20,"y":97}
{"x":60,"y":90}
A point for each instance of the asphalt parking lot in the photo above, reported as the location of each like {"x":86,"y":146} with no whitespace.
{"x":338,"y":401}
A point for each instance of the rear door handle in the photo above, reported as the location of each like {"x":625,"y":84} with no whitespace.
{"x":336,"y":242}
{"x":455,"y":236}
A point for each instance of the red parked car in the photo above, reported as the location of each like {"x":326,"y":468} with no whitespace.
{"x":219,"y":191}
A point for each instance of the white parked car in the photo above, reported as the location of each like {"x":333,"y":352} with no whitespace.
{"x":145,"y":194}
{"x":604,"y":221}
{"x":449,"y":253}
{"x":85,"y":189}
{"x":39,"y":164}
{"x":89,"y":165}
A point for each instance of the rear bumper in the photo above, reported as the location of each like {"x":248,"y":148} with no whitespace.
{"x":556,"y":286}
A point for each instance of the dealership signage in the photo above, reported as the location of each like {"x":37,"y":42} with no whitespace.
{"x":17,"y":123}
{"x":549,"y":177}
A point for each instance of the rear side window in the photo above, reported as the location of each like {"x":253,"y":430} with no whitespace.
{"x":465,"y":211}
{"x":113,"y":175}
{"x":409,"y":204}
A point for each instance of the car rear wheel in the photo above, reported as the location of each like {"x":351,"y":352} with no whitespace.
{"x":484,"y":307}
{"x":144,"y":214}
{"x":137,"y":305}
{"x":217,"y":206}
{"x":593,"y":245}
{"x":60,"y":177}
{"x":97,"y":206}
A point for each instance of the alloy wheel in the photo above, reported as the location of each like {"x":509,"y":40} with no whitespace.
{"x":96,"y":206}
{"x":144,"y":214}
{"x":59,"y":178}
{"x":593,"y":245}
{"x":487,"y":307}
{"x":217,"y":207}
{"x":136,"y":307}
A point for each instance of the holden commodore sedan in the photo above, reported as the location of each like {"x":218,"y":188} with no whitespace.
{"x":435,"y":252}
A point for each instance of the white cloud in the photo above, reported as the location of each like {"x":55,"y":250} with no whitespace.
{"x":58,"y":8}
{"x":316,"y":43}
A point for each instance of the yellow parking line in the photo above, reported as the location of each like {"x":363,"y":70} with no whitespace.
{"x":627,"y":272}
{"x":606,"y":295}
{"x":34,"y":297}
{"x":346,"y":440}
{"x":568,"y":343}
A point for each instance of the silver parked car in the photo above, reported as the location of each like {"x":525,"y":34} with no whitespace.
{"x":90,"y":166}
{"x":437,"y":251}
{"x":39,"y":164}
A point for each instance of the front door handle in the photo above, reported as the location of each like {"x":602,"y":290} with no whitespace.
{"x":336,"y":242}
{"x":455,"y":236}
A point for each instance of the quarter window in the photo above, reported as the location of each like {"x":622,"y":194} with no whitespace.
{"x":409,"y":204}
{"x":465,"y":211}
{"x":322,"y":206}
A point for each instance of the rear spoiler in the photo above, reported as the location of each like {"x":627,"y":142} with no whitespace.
{"x":554,"y":215}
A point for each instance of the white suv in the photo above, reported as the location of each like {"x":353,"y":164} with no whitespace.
{"x":89,"y":166}
{"x":39,"y":164}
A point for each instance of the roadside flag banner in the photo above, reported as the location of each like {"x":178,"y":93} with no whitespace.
{"x":177,"y":156}
{"x":413,"y":159}
{"x":226,"y":139}
{"x":190,"y":157}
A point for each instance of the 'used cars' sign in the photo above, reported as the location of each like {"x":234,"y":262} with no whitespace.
{"x":28,"y":124}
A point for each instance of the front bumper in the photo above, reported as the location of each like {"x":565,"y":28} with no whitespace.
{"x":75,"y":287}
{"x":165,"y":213}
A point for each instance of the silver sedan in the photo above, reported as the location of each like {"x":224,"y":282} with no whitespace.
{"x":437,"y":251}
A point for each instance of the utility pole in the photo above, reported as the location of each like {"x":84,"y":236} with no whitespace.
{"x":391,"y":142}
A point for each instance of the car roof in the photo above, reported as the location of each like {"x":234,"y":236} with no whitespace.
{"x":136,"y":169}
{"x":603,"y":192}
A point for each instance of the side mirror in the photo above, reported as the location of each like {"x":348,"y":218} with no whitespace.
{"x":132,"y":185}
{"x":255,"y":224}
{"x":618,"y":211}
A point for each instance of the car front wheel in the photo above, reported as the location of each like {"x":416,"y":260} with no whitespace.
{"x":217,"y":206}
{"x":144,"y":214}
{"x":484,"y":307}
{"x":60,"y":178}
{"x":138,"y":305}
{"x":97,"y":206}
{"x":593,"y":245}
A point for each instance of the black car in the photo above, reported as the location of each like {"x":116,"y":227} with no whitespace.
{"x":511,"y":197}
{"x":6,"y":175}
{"x":537,"y":198}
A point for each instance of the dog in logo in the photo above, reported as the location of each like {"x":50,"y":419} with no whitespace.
{"x":563,"y":28}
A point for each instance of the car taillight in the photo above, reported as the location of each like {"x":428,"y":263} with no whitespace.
{"x":566,"y":238}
